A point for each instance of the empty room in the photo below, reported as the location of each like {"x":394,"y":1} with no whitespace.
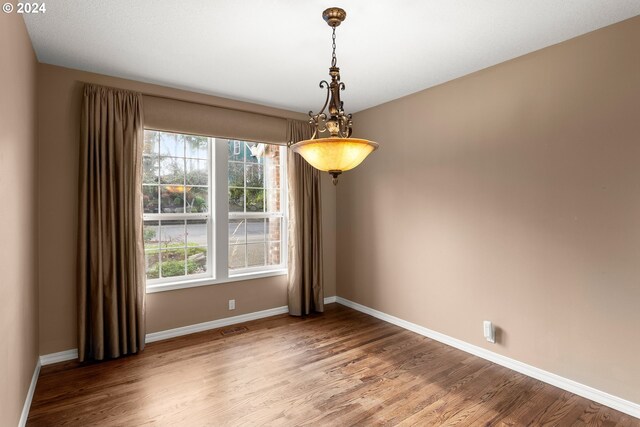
{"x":288,"y":213}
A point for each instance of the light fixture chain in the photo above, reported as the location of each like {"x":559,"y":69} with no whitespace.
{"x":334,"y":60}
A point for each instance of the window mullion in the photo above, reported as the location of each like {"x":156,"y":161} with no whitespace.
{"x":221,"y":211}
{"x":186,"y":239}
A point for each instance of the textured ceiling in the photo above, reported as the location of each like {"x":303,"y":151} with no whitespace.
{"x":275,"y":52}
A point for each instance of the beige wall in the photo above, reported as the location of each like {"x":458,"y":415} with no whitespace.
{"x":60,"y":91}
{"x":511,"y":195}
{"x":18,"y":217}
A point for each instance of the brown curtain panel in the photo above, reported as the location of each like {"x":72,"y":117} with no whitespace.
{"x":111,"y":281}
{"x":305,"y":288}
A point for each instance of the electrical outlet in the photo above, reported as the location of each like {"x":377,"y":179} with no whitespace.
{"x":232,"y":304}
{"x":489,"y":331}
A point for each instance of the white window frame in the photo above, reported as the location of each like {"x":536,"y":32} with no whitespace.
{"x":218,"y":229}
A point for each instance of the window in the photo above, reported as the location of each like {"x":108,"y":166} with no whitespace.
{"x":256,"y":214}
{"x":177,"y":219}
{"x":214,"y":210}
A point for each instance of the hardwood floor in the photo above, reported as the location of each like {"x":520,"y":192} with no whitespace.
{"x":340,"y":368}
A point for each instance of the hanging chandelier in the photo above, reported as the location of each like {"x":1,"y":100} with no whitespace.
{"x":338,"y":152}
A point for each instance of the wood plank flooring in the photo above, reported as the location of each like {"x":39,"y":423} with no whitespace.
{"x":340,"y":368}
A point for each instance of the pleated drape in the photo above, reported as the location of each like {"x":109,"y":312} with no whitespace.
{"x":110,"y":275}
{"x":305,"y":282}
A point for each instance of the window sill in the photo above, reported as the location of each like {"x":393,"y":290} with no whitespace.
{"x":163,"y":287}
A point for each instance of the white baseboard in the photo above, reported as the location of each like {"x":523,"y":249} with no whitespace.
{"x":61,"y":356}
{"x":64,"y":356}
{"x":29,"y":398}
{"x":205,"y":326}
{"x":330,"y":300}
{"x":585,"y":391}
{"x":214,"y":324}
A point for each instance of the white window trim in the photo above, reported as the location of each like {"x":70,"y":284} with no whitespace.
{"x":185,"y":284}
{"x":218,"y":239}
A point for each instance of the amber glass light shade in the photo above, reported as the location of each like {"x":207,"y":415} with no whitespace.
{"x":335,"y":154}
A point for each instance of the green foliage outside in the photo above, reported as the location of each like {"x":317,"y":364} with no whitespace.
{"x":192,"y":249}
{"x":173,"y":261}
{"x":173,"y":268}
{"x":255,"y":200}
{"x":236,"y":199}
{"x":149,"y":234}
{"x":199,"y":204}
{"x":175,"y":171}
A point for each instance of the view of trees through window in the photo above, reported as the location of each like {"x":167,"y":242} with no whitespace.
{"x":177,"y":194}
{"x":255,"y":205}
{"x":176,"y":204}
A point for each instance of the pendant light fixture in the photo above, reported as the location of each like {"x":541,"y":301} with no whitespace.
{"x":338,"y":152}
